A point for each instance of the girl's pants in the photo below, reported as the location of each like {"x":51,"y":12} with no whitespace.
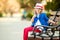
{"x":26,"y":31}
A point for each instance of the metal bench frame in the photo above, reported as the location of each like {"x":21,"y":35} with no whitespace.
{"x":50,"y":27}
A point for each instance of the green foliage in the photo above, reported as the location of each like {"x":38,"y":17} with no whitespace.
{"x":58,"y":3}
{"x":28,"y":3}
{"x":59,"y":22}
{"x":1,"y":15}
{"x":29,"y":15}
{"x":31,"y":3}
{"x":48,"y":6}
{"x":53,"y":5}
{"x":48,"y":14}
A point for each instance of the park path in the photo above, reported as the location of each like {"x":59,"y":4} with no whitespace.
{"x":11,"y":28}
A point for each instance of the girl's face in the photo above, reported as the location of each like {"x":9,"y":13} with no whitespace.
{"x":38,"y":10}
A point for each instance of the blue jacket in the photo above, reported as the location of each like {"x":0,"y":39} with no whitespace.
{"x":42,"y":18}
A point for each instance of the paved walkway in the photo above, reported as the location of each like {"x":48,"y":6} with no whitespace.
{"x":12,"y":28}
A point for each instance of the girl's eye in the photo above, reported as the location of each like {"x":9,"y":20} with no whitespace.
{"x":39,"y":9}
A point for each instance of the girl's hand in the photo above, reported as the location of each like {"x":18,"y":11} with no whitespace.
{"x":35,"y":13}
{"x":33,"y":18}
{"x":55,"y":23}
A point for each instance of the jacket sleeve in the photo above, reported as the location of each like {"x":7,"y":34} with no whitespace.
{"x":45,"y":17}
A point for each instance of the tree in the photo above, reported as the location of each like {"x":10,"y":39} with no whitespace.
{"x":55,"y":4}
{"x":28,"y":3}
{"x":2,"y":5}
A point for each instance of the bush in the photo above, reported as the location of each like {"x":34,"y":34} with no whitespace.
{"x":59,"y":22}
{"x":48,"y":14}
{"x":29,"y":15}
{"x":1,"y":15}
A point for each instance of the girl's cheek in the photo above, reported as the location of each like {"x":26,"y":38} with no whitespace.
{"x":36,"y":11}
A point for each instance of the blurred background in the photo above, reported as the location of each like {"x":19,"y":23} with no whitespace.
{"x":15,"y":15}
{"x":8,"y":8}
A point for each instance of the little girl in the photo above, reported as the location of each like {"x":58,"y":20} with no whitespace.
{"x":39,"y":18}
